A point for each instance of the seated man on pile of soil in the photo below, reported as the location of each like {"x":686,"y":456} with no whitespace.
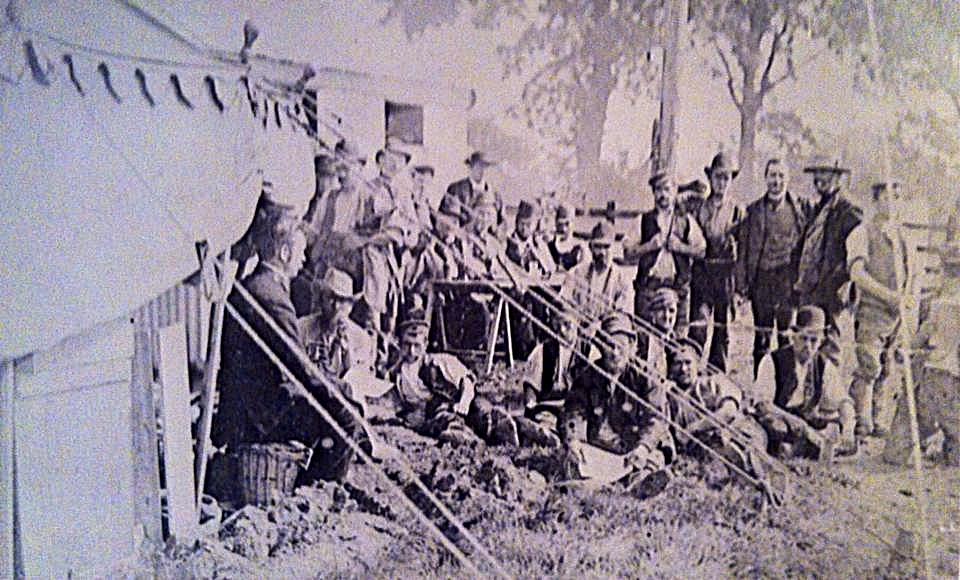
{"x":712,"y":409}
{"x":599,"y":413}
{"x":824,"y":419}
{"x":257,"y":404}
{"x":435,"y":395}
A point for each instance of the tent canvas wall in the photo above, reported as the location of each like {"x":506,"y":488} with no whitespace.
{"x":105,"y":195}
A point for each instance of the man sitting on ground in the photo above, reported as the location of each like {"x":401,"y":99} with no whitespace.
{"x":600,"y":413}
{"x":825,"y":413}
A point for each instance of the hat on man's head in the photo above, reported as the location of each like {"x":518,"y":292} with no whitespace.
{"x":822,"y":162}
{"x":340,"y":284}
{"x":425,"y":168}
{"x":722,"y":161}
{"x":526,"y":210}
{"x":659,"y":177}
{"x":478,"y":158}
{"x":686,"y":349}
{"x":415,"y":327}
{"x":810,"y":319}
{"x":602,"y":234}
{"x":325,"y":165}
{"x":564,"y":211}
{"x":348,"y":151}
{"x":662,"y":298}
{"x":617,"y":323}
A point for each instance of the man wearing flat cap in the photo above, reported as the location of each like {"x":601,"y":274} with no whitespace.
{"x":597,"y":287}
{"x":564,"y":248}
{"x":879,"y":266}
{"x":661,"y":314}
{"x":823,"y":269}
{"x":600,"y":412}
{"x":461,"y":197}
{"x":667,"y":241}
{"x":712,"y":282}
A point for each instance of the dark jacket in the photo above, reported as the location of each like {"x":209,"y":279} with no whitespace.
{"x":751,"y":236}
{"x":461,"y":199}
{"x":254,"y":406}
{"x":842,"y":219}
{"x":649,"y":229}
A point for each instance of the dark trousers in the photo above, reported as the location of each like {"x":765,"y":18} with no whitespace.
{"x":699,"y":313}
{"x":772,"y":304}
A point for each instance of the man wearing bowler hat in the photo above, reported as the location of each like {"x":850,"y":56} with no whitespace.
{"x":712,"y":283}
{"x":823,"y":270}
{"x":462,"y":196}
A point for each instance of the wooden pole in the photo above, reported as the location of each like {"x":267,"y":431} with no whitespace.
{"x":210,"y":372}
{"x":664,"y":158}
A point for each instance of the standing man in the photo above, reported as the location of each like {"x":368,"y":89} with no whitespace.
{"x":823,"y":269}
{"x":462,"y":196}
{"x":769,"y":248}
{"x":877,"y":259}
{"x":564,"y":248}
{"x":667,"y":244}
{"x":712,"y":283}
{"x":318,"y":222}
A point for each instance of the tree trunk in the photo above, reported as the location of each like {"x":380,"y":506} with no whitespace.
{"x":748,"y":153}
{"x":588,"y":127}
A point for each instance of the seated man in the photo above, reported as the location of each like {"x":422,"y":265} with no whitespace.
{"x":434,"y":393}
{"x":334,"y":341}
{"x":600,"y":413}
{"x":661,"y":313}
{"x":825,"y":413}
{"x":255,"y":404}
{"x":741,"y":441}
{"x":551,"y":371}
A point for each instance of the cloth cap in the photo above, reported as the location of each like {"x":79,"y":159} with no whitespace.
{"x":526,"y":210}
{"x":724,"y":161}
{"x":478,"y":158}
{"x":617,"y":323}
{"x":662,"y":298}
{"x":415,"y":327}
{"x":564,"y":212}
{"x":602,"y":234}
{"x":825,"y":163}
{"x":340,"y":284}
{"x":810,"y":318}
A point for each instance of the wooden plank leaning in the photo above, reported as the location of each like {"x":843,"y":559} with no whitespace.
{"x":211,"y":369}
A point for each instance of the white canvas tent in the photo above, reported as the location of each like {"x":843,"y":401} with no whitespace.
{"x":103,"y":202}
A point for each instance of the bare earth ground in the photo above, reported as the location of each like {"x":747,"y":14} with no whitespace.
{"x":701,"y":526}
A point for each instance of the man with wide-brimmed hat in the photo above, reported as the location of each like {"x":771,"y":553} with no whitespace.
{"x":564,"y":248}
{"x":712,"y":278}
{"x":599,"y":412}
{"x":768,"y":246}
{"x":333,"y":340}
{"x":809,"y":386}
{"x":879,"y":266}
{"x":598,"y":286}
{"x":461,"y":197}
{"x":667,"y":243}
{"x":823,"y":270}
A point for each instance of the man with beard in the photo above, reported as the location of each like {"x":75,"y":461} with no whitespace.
{"x":598,"y":286}
{"x":255,"y":405}
{"x":769,"y":248}
{"x":712,"y":282}
{"x":600,"y":413}
{"x":668,"y":241}
{"x":823,"y":272}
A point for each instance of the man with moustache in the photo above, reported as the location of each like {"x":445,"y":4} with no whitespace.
{"x":769,"y":248}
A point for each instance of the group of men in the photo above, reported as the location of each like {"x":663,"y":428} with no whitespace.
{"x":350,"y":286}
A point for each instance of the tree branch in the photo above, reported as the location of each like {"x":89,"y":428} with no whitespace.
{"x":729,"y":71}
{"x":765,"y":84}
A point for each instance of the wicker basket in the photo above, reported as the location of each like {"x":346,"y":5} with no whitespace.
{"x":268,"y":472}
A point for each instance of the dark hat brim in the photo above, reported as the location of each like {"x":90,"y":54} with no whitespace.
{"x":825,"y":168}
{"x":733,"y":172}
